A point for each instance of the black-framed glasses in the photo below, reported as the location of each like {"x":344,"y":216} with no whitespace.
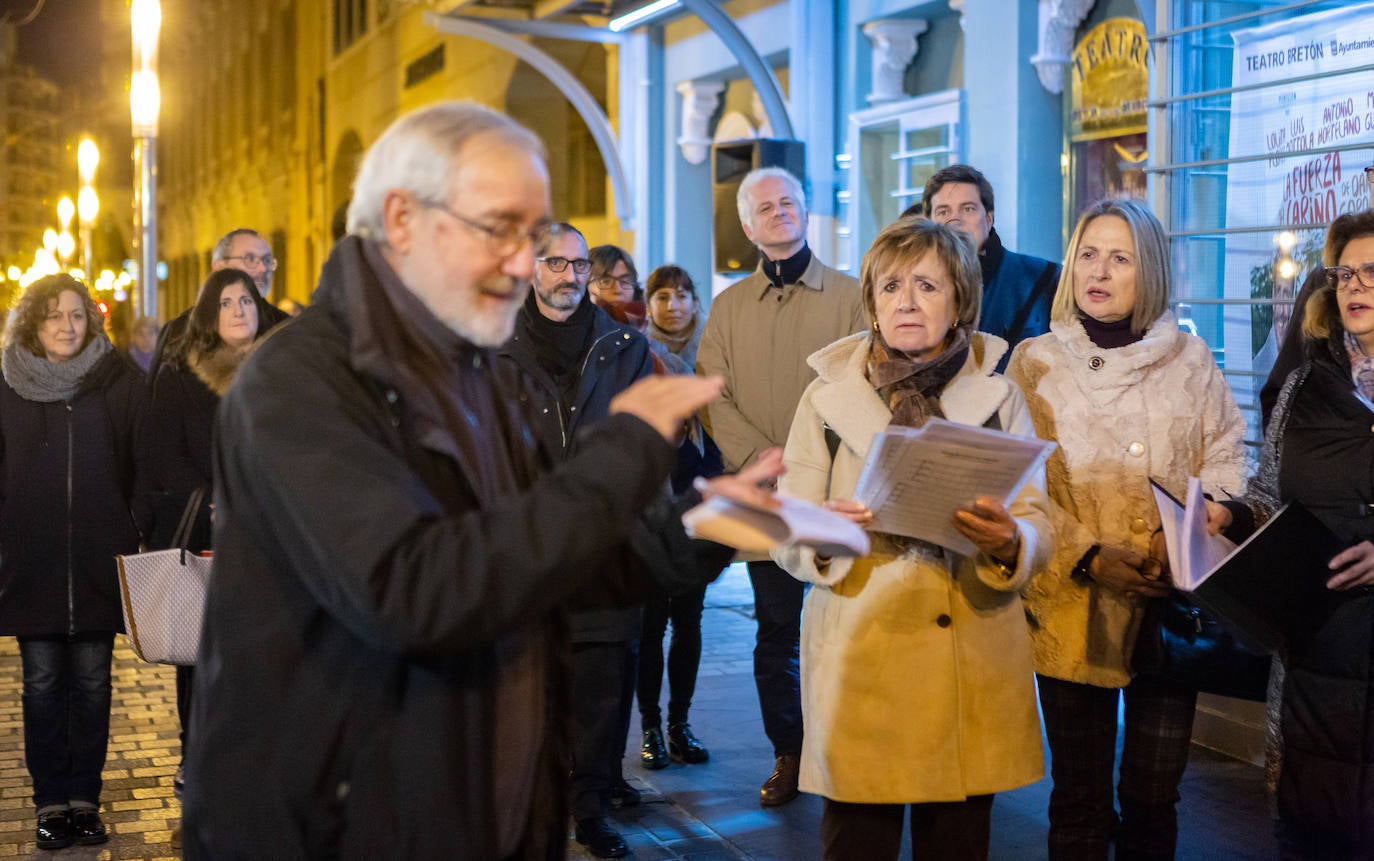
{"x":624,"y":282}
{"x":1343,"y":278}
{"x":503,"y":239}
{"x":580,"y":265}
{"x":250,"y":260}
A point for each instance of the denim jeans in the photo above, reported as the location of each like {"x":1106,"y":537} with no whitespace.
{"x":777,"y":665}
{"x":66,"y":715}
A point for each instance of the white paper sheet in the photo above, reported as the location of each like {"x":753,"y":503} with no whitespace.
{"x":915,"y":479}
{"x":1193,"y":554}
{"x":755,"y":530}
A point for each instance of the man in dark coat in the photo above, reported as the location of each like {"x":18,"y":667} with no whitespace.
{"x":380,"y":671}
{"x":1018,"y":289}
{"x":577,"y":359}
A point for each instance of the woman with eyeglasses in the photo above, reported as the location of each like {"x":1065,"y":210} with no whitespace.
{"x":1319,"y":451}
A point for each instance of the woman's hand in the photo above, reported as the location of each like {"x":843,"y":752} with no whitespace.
{"x":745,"y":485}
{"x":1218,"y":517}
{"x":849,"y":509}
{"x":1129,"y":573}
{"x":990,"y":527}
{"x":1356,"y":567}
{"x":1159,"y":555}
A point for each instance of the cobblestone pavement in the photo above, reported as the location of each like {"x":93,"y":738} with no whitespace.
{"x":705,"y":812}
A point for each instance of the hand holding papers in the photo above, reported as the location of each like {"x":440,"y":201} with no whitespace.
{"x":1193,"y":554}
{"x":916,"y":478}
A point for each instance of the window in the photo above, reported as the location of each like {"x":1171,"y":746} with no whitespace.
{"x":892,"y":150}
{"x":1258,"y":143}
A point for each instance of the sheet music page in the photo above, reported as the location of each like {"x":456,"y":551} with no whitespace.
{"x":1192,"y":552}
{"x":915,"y":479}
{"x":738,"y":524}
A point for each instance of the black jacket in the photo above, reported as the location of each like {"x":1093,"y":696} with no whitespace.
{"x":1320,"y":452}
{"x":174,"y":453}
{"x":67,"y":507}
{"x":606,"y":609}
{"x":346,"y":701}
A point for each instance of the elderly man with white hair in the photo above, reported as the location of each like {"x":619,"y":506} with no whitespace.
{"x":757,"y":337}
{"x":382,"y":666}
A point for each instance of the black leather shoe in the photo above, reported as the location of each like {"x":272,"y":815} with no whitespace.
{"x":684,"y":746}
{"x":600,"y":838}
{"x":54,"y":830}
{"x":623,"y":794}
{"x":781,"y":785}
{"x":87,"y":828}
{"x":653,"y":755}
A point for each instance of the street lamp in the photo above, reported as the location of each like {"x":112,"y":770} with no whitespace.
{"x":145,"y":100}
{"x":87,"y":203}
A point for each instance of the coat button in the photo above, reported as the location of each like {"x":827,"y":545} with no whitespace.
{"x":341,"y":791}
{"x":1096,"y":363}
{"x":943,"y":620}
{"x":626,"y":336}
{"x":1136,"y":449}
{"x":1139,"y":525}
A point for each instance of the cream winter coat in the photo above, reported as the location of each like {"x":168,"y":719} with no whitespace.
{"x":917,"y":683}
{"x":1157,"y":409}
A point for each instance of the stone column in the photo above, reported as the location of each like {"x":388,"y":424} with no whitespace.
{"x":894,"y":47}
{"x":699,"y":102}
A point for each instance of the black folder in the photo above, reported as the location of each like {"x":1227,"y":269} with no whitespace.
{"x":1272,"y":588}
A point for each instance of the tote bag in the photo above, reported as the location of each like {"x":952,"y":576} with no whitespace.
{"x":163,"y":594}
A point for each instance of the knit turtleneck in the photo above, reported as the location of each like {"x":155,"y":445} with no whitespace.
{"x":1109,"y":336}
{"x":789,"y":271}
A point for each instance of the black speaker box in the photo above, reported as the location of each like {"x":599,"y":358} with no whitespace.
{"x":730,"y":162}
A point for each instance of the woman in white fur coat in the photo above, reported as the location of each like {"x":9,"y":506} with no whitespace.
{"x":917,"y":685}
{"x":1128,"y":397}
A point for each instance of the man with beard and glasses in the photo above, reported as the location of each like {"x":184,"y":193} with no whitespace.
{"x":382,"y":668}
{"x":578,"y":359}
{"x":758,"y":336}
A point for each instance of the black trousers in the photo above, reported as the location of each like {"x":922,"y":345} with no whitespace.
{"x":684,"y":656}
{"x":777,"y":661}
{"x":945,"y":830}
{"x":603,"y":676}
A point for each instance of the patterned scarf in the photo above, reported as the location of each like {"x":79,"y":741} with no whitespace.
{"x":1361,"y":366}
{"x":911,"y":388}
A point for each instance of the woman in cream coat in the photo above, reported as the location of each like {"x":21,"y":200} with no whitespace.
{"x":1128,"y":397}
{"x":917,"y":685}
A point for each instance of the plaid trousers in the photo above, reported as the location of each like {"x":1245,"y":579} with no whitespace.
{"x":1080,"y":724}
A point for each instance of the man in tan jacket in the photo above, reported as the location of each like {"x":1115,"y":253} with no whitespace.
{"x":757,"y":338}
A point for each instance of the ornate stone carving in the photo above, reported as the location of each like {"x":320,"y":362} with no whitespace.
{"x":1059,"y":20}
{"x":894,"y":47}
{"x":699,"y":102}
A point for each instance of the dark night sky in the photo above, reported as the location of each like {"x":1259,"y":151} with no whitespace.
{"x":63,"y":40}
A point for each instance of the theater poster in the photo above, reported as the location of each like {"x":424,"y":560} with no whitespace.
{"x":1314,"y":103}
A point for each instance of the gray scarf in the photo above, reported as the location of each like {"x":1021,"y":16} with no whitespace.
{"x":44,"y":381}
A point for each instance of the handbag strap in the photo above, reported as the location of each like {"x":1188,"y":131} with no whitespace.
{"x":182,"y":536}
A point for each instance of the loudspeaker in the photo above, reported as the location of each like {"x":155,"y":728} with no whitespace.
{"x":730,"y":162}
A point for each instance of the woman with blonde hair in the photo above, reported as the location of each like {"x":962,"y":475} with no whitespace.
{"x":1128,"y":397}
{"x":70,"y":405}
{"x":917,"y":686}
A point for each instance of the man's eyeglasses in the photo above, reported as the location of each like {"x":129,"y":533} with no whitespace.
{"x":504,"y":239}
{"x":624,"y":283}
{"x":250,"y":260}
{"x":1343,"y":278}
{"x":580,"y":265}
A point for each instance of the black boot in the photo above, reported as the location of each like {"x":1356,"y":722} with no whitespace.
{"x":684,"y":746}
{"x":653,"y":755}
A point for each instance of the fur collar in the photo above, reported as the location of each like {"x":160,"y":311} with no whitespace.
{"x":848,"y":403}
{"x":217,"y":368}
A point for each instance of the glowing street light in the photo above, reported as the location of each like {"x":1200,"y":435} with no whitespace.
{"x":65,"y":211}
{"x":145,"y":101}
{"x":87,"y":203}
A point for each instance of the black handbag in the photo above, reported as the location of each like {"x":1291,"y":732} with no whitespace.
{"x":1182,"y":642}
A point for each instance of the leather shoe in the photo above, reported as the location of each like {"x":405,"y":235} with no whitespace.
{"x":623,"y":794}
{"x":87,"y":827}
{"x":54,"y":830}
{"x":653,"y":755}
{"x":684,"y":746}
{"x":600,"y":838}
{"x":781,"y":785}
